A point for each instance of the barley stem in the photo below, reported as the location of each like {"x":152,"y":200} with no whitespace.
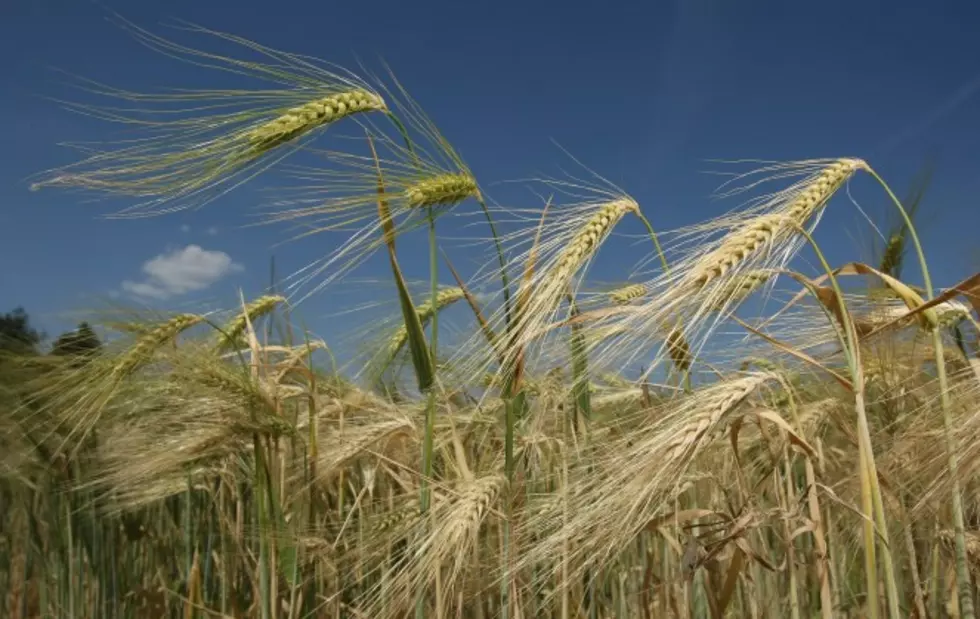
{"x":870,"y":490}
{"x":952,"y":448}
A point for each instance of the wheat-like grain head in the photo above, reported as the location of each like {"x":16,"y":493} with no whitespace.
{"x":152,"y":340}
{"x":700,"y":282}
{"x":233,"y":330}
{"x":634,"y":481}
{"x":199,"y":144}
{"x":622,"y":296}
{"x":763,"y":232}
{"x":739,"y":289}
{"x":338,"y":449}
{"x":344,"y":193}
{"x":444,"y":543}
{"x":560,"y":244}
{"x":441,"y":190}
{"x":300,"y":120}
{"x":587,"y":241}
{"x":943,"y":315}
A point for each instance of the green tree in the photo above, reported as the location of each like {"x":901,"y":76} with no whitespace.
{"x":81,"y":342}
{"x":16,"y":333}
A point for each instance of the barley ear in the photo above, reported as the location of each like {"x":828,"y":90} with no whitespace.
{"x":441,"y":190}
{"x":301,"y":120}
{"x":622,"y":296}
{"x":152,"y":340}
{"x":230,"y":335}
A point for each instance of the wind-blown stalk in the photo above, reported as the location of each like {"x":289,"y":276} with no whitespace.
{"x":964,"y":585}
{"x":870,"y":490}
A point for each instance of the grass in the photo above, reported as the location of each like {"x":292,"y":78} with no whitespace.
{"x":662,"y":449}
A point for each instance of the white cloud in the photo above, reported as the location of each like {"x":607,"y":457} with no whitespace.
{"x":185,"y":228}
{"x":213,"y":231}
{"x":181,"y":271}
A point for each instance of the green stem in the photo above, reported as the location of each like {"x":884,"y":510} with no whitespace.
{"x":430,"y":409}
{"x":504,"y":277}
{"x":964,"y":585}
{"x":870,"y":490}
{"x":685,"y":378}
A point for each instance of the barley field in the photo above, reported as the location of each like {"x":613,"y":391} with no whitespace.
{"x":738,"y":427}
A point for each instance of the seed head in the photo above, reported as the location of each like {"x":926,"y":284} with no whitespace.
{"x":257,"y":308}
{"x":771,"y":228}
{"x":740,"y":288}
{"x":678,"y":349}
{"x":441,"y":190}
{"x":444,"y":298}
{"x":300,"y":120}
{"x":738,"y":246}
{"x":151,"y":341}
{"x":624,"y":295}
{"x":815,"y":195}
{"x":592,"y":234}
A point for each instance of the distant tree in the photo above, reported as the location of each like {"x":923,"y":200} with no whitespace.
{"x":81,"y":342}
{"x":16,"y":333}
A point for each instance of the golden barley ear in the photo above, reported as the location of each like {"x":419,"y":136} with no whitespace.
{"x":622,"y":296}
{"x":231,"y":334}
{"x":151,"y":340}
{"x":768,"y":229}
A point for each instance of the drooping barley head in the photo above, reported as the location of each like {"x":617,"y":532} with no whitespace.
{"x":769,"y":230}
{"x":622,"y":296}
{"x":739,"y":289}
{"x":199,"y":144}
{"x":152,"y":340}
{"x":232,"y":332}
{"x":442,"y":190}
{"x":300,"y":120}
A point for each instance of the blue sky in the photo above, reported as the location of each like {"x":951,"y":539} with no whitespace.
{"x":644,"y":93}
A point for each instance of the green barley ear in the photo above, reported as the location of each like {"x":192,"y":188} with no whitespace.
{"x":396,"y":342}
{"x":442,"y":190}
{"x":300,"y":120}
{"x":893,"y":254}
{"x":230,"y":335}
{"x":192,"y":146}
